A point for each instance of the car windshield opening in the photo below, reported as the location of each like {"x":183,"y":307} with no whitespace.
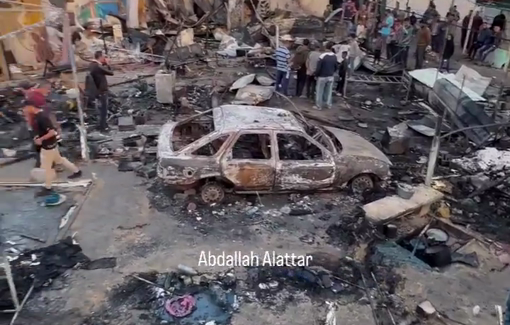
{"x":334,"y":139}
{"x":191,"y":130}
{"x":252,"y":146}
{"x":296,"y":147}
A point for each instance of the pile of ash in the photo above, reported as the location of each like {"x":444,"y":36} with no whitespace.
{"x":39,"y":267}
{"x":352,"y":229}
{"x":163,"y":298}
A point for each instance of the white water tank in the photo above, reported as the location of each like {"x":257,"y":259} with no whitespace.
{"x":165,"y":84}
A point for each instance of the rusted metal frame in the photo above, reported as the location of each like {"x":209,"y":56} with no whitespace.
{"x":227,"y":161}
{"x":298,"y":163}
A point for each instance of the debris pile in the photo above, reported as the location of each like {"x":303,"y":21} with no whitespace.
{"x":174,"y":297}
{"x":39,"y":267}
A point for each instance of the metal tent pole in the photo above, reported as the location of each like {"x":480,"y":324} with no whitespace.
{"x":83,"y":130}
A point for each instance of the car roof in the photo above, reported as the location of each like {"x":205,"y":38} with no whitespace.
{"x":229,"y":118}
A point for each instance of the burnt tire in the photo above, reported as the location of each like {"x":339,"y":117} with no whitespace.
{"x":361,"y":183}
{"x":212,"y":192}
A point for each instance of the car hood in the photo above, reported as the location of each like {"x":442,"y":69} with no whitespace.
{"x":165,"y":149}
{"x":355,"y":145}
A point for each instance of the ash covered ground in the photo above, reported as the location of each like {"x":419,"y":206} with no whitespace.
{"x":152,"y":227}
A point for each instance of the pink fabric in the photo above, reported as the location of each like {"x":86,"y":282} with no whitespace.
{"x":180,"y":306}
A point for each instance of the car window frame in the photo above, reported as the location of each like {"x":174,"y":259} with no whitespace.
{"x":326,"y":154}
{"x":229,"y":150}
{"x":194,"y":146}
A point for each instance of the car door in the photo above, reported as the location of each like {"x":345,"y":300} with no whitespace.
{"x":302,"y":163}
{"x":249,"y":163}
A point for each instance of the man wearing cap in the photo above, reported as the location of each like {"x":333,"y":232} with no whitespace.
{"x":37,"y":97}
{"x":46,"y":137}
{"x":283,"y":59}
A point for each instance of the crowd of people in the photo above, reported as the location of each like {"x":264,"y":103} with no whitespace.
{"x":483,"y":39}
{"x":316,"y":66}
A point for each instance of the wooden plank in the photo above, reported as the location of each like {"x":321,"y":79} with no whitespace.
{"x":392,"y":207}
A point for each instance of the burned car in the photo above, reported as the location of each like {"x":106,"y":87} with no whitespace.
{"x":252,"y":149}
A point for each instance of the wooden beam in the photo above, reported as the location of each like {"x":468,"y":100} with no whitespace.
{"x":3,"y":63}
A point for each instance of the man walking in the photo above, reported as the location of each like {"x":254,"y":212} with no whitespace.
{"x":325,"y":73}
{"x":423,"y":39}
{"x":311,"y":67}
{"x":299,"y":63}
{"x":46,"y":138}
{"x":37,"y":97}
{"x":99,"y":69}
{"x":282,"y":57}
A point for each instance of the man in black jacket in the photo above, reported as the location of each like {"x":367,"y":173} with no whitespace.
{"x":325,"y":73}
{"x":99,"y":69}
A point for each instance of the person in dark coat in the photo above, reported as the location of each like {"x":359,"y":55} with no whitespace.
{"x":475,"y":28}
{"x":500,"y":21}
{"x":343,"y":68}
{"x":465,"y":27}
{"x":449,"y":49}
{"x":99,"y":69}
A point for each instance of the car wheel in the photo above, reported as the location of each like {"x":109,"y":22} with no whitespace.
{"x":212,"y":193}
{"x":361,"y":183}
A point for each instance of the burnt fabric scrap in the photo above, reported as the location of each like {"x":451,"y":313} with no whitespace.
{"x":40,"y":266}
{"x":102,"y":263}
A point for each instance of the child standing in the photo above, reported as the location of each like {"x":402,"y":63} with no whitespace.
{"x":342,"y":74}
{"x":378,"y":45}
{"x":448,"y":52}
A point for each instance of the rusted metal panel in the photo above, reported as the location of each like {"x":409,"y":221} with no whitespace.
{"x":350,"y":166}
{"x":250,"y":174}
{"x":304,"y":175}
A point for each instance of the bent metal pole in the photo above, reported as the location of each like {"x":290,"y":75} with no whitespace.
{"x":83,"y":130}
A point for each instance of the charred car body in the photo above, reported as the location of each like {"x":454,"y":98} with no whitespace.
{"x":261,"y":149}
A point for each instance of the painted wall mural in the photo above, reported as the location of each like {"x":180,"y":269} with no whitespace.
{"x":100,"y":9}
